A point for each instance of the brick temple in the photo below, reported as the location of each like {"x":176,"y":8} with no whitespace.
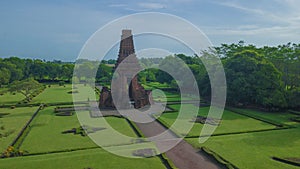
{"x":126,"y":90}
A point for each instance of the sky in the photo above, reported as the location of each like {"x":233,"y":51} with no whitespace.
{"x":58,"y":29}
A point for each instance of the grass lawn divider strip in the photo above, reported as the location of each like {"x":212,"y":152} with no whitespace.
{"x":56,"y":152}
{"x":242,"y":132}
{"x":45,"y":104}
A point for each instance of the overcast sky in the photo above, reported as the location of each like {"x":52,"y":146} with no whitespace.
{"x":58,"y":29}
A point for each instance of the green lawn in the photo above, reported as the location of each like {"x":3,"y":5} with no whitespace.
{"x":255,"y":150}
{"x":14,"y":122}
{"x":147,"y":87}
{"x":117,"y":130}
{"x":58,"y":94}
{"x":157,"y":85}
{"x":279,"y":117}
{"x":9,"y":98}
{"x":230,"y":123}
{"x":54,"y":94}
{"x":95,"y":159}
{"x":169,"y":96}
{"x":45,"y":134}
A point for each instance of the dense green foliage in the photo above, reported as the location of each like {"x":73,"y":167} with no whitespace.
{"x":273,"y":74}
{"x":267,"y":77}
{"x":251,"y":79}
{"x":14,"y":68}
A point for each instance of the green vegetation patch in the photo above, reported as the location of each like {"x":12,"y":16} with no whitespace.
{"x":13,"y":123}
{"x":10,"y":98}
{"x":93,"y":158}
{"x":61,"y":94}
{"x":230,"y":122}
{"x":46,"y":133}
{"x":273,"y":117}
{"x":255,"y":150}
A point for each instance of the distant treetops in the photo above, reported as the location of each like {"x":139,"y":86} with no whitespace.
{"x":266,"y":76}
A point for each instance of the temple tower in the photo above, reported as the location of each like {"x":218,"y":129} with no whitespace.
{"x":126,"y":90}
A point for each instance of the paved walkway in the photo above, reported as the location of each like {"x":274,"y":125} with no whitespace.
{"x":183,"y":155}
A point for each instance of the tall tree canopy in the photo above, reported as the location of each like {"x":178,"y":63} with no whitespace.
{"x":251,"y":79}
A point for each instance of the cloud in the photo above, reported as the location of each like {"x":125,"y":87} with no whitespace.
{"x":139,"y":7}
{"x":151,"y":5}
{"x":281,"y":20}
{"x":117,"y":5}
{"x":240,"y":7}
{"x":284,"y":11}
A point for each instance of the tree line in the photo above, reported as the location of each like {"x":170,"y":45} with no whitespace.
{"x":267,"y":77}
{"x":15,"y":69}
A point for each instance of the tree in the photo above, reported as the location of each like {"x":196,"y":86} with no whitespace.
{"x":38,"y":69}
{"x":4,"y":76}
{"x":26,"y":87}
{"x":15,"y":73}
{"x":251,"y":79}
{"x":67,"y":71}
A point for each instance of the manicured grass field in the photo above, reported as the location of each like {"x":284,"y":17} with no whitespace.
{"x":54,"y":94}
{"x":58,"y":94}
{"x":147,"y":87}
{"x":279,"y":117}
{"x":170,"y":97}
{"x":9,"y":98}
{"x":157,"y":85}
{"x":45,"y":134}
{"x":230,"y":140}
{"x":14,"y":122}
{"x":255,"y":150}
{"x":93,"y":158}
{"x":230,"y":123}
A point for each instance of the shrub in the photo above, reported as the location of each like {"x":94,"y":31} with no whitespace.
{"x":74,"y":91}
{"x":12,"y":152}
{"x":61,"y":83}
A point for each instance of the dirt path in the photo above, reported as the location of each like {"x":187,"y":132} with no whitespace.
{"x":183,"y":155}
